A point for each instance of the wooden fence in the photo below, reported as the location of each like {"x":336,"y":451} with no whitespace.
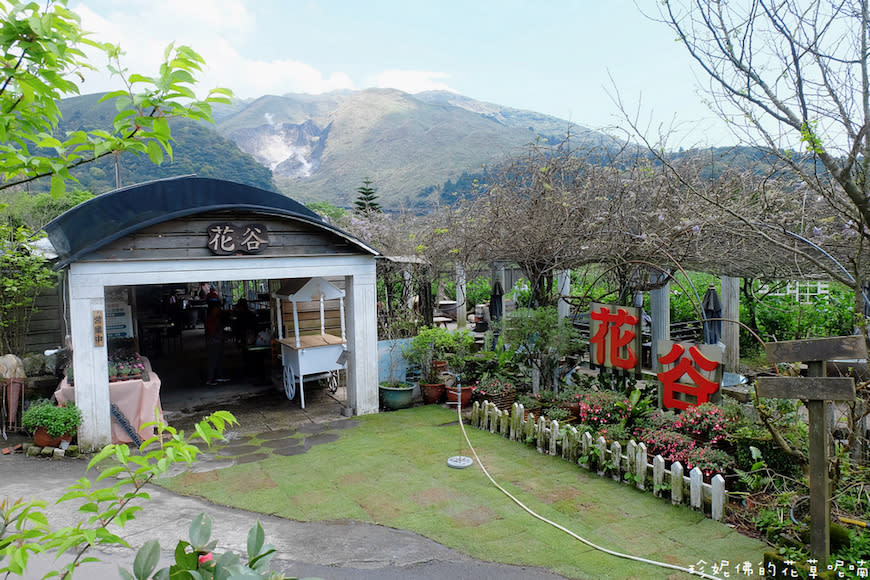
{"x":630,"y":465}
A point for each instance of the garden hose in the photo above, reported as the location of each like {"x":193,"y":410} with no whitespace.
{"x":562,"y":528}
{"x":853,"y":522}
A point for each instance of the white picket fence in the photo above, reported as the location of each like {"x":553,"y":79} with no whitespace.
{"x":629,"y":465}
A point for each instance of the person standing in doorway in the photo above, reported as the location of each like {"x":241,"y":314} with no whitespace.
{"x":214,"y":342}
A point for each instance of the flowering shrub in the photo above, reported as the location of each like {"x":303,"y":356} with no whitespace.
{"x":124,"y":364}
{"x":705,"y":422}
{"x":490,"y":386}
{"x":709,"y":460}
{"x":602,"y":407}
{"x":670,"y":445}
{"x":613,"y":432}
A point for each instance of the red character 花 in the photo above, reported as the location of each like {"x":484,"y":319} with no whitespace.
{"x":611,"y":325}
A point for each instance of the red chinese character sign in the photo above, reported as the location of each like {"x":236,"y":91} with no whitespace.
{"x":614,"y":337}
{"x":690,"y":374}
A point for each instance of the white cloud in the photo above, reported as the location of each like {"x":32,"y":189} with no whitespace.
{"x":215,"y":29}
{"x":412,"y":81}
{"x":211,"y":27}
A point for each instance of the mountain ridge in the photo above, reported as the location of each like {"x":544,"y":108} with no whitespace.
{"x":321,"y":147}
{"x":404,"y":143}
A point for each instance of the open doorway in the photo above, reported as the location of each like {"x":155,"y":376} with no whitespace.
{"x":239,"y":368}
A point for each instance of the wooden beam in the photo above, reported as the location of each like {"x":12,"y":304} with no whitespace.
{"x":835,"y":348}
{"x":806,"y":388}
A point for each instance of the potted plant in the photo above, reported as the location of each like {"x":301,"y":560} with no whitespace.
{"x":428,"y":350}
{"x":51,"y":424}
{"x":395,"y":392}
{"x":496,"y":390}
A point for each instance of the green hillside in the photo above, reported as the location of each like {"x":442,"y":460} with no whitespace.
{"x":198,"y":149}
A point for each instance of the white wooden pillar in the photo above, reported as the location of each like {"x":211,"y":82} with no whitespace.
{"x":563,"y":284}
{"x":362,"y":330}
{"x":90,"y":363}
{"x":730,"y":297}
{"x":408,"y":286}
{"x":461,"y":307}
{"x":660,"y":315}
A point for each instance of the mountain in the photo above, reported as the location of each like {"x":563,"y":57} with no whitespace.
{"x":322,"y":147}
{"x":416,"y":149}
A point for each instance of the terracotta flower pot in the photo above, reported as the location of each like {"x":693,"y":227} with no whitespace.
{"x":41,"y":438}
{"x":453,"y":395}
{"x":433,"y":393}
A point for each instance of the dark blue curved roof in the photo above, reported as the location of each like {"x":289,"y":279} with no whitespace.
{"x":113,"y":215}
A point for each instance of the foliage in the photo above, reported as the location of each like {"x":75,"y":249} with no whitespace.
{"x":705,"y":422}
{"x":548,"y":399}
{"x":56,"y":420}
{"x":521,"y":294}
{"x":36,"y":210}
{"x":197,"y":556}
{"x":783,"y":318}
{"x":613,"y":432}
{"x":365,"y":201}
{"x":637,"y":406}
{"x":556,"y":413}
{"x":479,"y":364}
{"x":432,"y":344}
{"x":598,"y":408}
{"x":23,"y":273}
{"x":539,"y":338}
{"x":709,"y":460}
{"x":25,"y":529}
{"x":478,"y":290}
{"x":672,"y":446}
{"x":44,"y":48}
{"x":493,"y":386}
{"x":328,"y":211}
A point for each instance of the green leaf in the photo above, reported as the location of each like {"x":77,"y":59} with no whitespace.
{"x":256,"y":538}
{"x":200,"y":530}
{"x":146,"y":560}
{"x":105,"y":452}
{"x":155,"y":152}
{"x":111,"y":472}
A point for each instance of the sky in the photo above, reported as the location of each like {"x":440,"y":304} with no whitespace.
{"x":566,"y":58}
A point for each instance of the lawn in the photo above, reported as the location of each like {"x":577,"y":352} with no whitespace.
{"x":391,"y":470}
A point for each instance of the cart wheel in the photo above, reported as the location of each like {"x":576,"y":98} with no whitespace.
{"x":332,"y":382}
{"x":289,"y":382}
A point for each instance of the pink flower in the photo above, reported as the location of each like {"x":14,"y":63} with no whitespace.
{"x":207,"y":557}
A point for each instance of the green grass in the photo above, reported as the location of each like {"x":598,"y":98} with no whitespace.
{"x":391,"y":470}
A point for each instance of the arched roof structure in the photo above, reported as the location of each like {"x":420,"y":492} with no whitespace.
{"x":115,"y":214}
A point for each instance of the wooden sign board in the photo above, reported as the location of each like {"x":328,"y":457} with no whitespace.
{"x":836,"y":348}
{"x":806,"y":388}
{"x":99,"y":329}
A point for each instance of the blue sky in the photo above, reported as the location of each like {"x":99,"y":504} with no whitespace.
{"x":561,"y":57}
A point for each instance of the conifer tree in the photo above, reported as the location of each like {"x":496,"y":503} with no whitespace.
{"x":365,"y":201}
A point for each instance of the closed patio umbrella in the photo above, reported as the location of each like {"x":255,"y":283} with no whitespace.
{"x":495,"y":301}
{"x":712,"y":310}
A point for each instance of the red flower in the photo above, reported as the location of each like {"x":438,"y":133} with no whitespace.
{"x":207,"y":557}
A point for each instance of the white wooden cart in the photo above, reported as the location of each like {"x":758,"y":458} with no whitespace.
{"x":310,"y":356}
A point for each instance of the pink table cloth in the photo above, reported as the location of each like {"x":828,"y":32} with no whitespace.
{"x":136,"y":398}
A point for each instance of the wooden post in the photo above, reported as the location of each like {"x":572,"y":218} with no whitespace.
{"x":815,"y":389}
{"x":730,"y":297}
